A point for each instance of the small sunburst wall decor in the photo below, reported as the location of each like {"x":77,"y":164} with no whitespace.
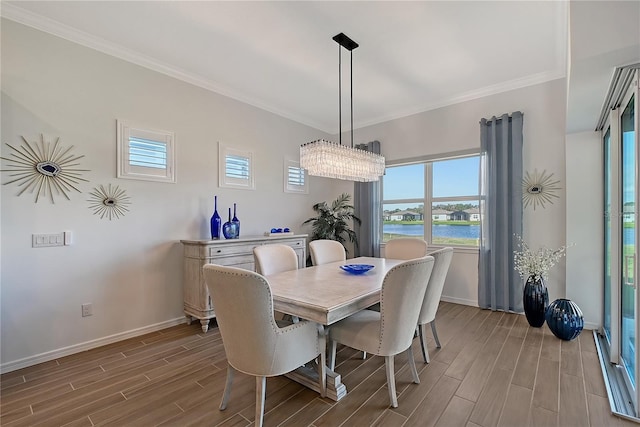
{"x":539,"y":188}
{"x":43,"y":168}
{"x":110,"y":202}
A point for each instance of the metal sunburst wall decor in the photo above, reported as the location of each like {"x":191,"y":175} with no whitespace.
{"x":110,"y":202}
{"x":539,"y":188}
{"x":41,"y":167}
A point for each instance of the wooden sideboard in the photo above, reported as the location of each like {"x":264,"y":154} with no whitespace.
{"x":232,"y":252}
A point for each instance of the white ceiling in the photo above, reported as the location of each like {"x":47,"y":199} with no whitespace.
{"x":280,"y":56}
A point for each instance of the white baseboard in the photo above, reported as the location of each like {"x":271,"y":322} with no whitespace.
{"x":472,"y":303}
{"x":77,"y":348}
{"x":591,"y":326}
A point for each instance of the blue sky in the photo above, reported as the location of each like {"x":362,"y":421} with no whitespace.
{"x":457,"y":177}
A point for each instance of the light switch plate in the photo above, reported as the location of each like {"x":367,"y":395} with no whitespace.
{"x":47,"y":240}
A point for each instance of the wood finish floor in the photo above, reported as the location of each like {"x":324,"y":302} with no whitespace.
{"x":492,"y":370}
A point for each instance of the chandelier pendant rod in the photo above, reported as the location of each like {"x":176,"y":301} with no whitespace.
{"x":351,"y":86}
{"x":340,"y":93}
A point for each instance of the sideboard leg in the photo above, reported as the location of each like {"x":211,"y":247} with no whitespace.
{"x":189,"y":319}
{"x":205,"y":324}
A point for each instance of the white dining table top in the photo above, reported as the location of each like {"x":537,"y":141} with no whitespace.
{"x":327,"y":294}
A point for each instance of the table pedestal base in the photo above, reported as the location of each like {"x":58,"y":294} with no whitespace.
{"x":307,"y":375}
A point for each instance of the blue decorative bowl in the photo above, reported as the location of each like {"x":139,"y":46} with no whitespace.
{"x":356,"y":268}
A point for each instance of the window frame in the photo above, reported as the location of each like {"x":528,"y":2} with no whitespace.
{"x":291,"y":186}
{"x":125,"y":170}
{"x":228,"y":181}
{"x":428,"y":199}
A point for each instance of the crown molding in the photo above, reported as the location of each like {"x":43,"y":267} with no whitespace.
{"x":12,"y":12}
{"x":50,"y":26}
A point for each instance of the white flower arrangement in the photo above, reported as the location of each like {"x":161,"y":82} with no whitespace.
{"x":536,"y":263}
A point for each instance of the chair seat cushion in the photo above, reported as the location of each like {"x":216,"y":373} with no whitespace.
{"x":360,"y":331}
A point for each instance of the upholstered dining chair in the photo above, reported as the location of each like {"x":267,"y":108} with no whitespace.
{"x":405,"y":248}
{"x":325,"y":251}
{"x":389,"y":331}
{"x":272,"y":259}
{"x":254,"y":344}
{"x":442,"y":261}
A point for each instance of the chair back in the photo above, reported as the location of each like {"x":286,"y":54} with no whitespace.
{"x":326,"y":251}
{"x":272,"y":259}
{"x":442,"y":260}
{"x":401,"y":297}
{"x":243,"y":307}
{"x":405,"y":248}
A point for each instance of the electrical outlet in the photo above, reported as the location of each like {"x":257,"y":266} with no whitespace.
{"x":87,"y":310}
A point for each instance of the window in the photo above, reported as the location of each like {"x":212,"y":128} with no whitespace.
{"x":235,"y":168}
{"x":145,"y":154}
{"x":437,"y":200}
{"x":295,"y":178}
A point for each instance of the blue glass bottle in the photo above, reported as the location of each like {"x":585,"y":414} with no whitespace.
{"x":236,"y":221}
{"x":216,"y":221}
{"x":229,"y":229}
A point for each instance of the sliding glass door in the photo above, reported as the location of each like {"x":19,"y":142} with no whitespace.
{"x":628,"y":246}
{"x":620,"y":311}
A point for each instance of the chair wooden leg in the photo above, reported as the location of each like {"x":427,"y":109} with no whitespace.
{"x":435,"y":333}
{"x":412,"y":365}
{"x":227,"y":388}
{"x":423,"y":345}
{"x":391,"y":381}
{"x":261,"y":387}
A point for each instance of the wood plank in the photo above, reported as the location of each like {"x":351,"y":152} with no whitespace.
{"x":593,"y":381}
{"x":545,"y":392}
{"x":570,"y":358}
{"x":573,"y":403}
{"x":489,"y":405}
{"x":526,"y":367}
{"x":516,"y":409}
{"x":390,"y":419}
{"x":412,"y":399}
{"x":474,"y":381}
{"x":541,"y":417}
{"x":434,"y":403}
{"x":456,"y":413}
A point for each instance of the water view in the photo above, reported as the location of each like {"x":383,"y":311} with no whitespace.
{"x":442,"y":233}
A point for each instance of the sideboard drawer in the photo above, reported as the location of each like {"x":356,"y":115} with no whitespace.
{"x":221,"y":250}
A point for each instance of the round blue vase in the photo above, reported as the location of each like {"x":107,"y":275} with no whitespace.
{"x":565,"y":319}
{"x":535,"y":299}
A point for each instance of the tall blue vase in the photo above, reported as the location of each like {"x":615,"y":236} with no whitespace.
{"x":565,"y":319}
{"x":236,"y":221}
{"x":535,"y":299}
{"x":216,"y":221}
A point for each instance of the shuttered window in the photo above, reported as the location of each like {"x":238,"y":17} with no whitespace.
{"x":145,"y":154}
{"x":236,"y":168}
{"x":295,"y":178}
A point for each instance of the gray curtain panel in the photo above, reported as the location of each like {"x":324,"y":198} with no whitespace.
{"x":499,"y":285}
{"x":368,"y":207}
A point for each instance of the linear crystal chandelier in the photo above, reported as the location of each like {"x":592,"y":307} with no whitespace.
{"x":331,"y":160}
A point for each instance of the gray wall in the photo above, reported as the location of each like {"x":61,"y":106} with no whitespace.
{"x":131,"y":268}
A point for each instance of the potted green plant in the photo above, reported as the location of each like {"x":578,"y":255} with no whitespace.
{"x":334,"y":222}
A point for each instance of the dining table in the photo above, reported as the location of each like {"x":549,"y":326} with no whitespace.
{"x":326,"y":294}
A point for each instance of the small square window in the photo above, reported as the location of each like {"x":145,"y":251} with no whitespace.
{"x":145,"y":154}
{"x":295,"y":178}
{"x":235,"y":168}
